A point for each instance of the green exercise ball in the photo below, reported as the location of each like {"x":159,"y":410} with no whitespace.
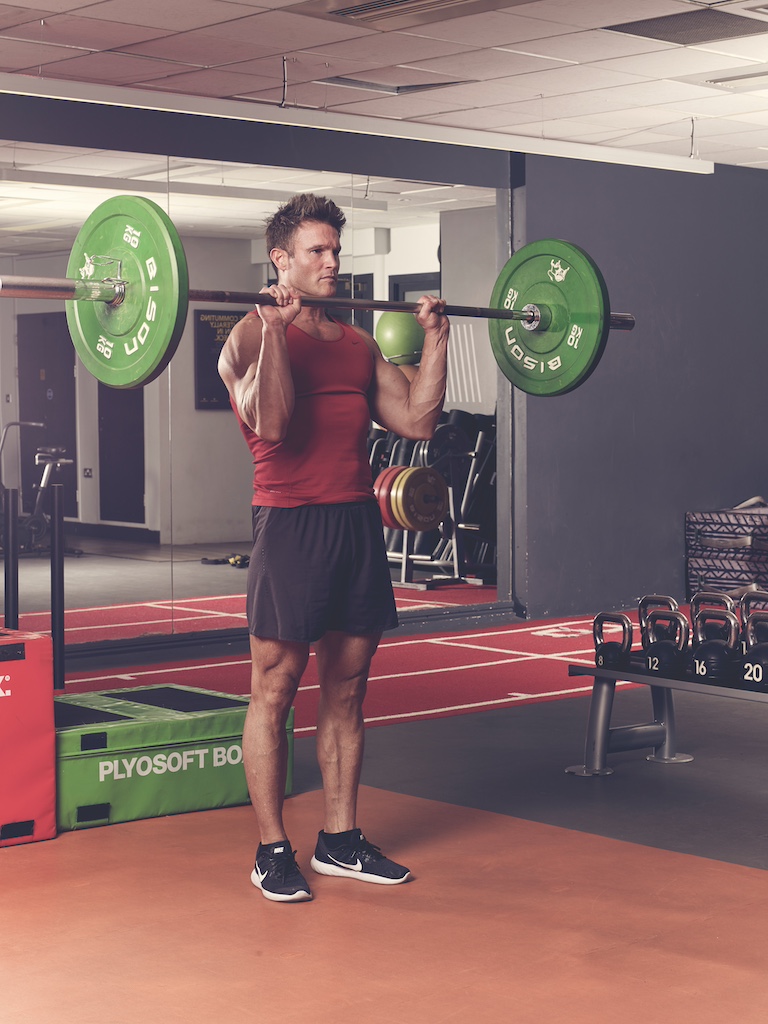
{"x":400,"y":337}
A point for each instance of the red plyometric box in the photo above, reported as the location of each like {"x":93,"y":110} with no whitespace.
{"x":27,"y":738}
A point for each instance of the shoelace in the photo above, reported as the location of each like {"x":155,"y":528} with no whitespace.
{"x":367,"y":851}
{"x":282,"y":865}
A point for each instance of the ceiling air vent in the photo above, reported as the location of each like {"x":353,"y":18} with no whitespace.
{"x":400,"y":14}
{"x":693,"y":27}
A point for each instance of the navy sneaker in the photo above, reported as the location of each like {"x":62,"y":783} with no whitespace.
{"x":277,"y":874}
{"x":351,"y":855}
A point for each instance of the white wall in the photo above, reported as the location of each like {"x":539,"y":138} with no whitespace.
{"x":210,"y":465}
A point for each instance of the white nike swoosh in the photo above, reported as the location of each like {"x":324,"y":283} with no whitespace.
{"x":357,"y":866}
{"x":259,"y":874}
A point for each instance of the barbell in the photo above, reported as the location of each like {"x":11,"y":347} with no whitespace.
{"x":127,"y":293}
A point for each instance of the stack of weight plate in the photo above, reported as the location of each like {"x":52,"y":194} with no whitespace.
{"x":727,"y":549}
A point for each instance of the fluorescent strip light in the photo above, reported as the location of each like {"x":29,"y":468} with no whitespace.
{"x":353,"y":124}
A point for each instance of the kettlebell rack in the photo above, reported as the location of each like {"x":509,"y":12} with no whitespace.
{"x":660,"y":733}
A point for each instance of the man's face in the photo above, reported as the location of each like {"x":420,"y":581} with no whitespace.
{"x":312,"y":268}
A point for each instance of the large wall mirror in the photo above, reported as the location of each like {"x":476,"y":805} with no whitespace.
{"x":157,"y":480}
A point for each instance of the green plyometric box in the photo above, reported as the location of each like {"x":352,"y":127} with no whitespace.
{"x":144,"y":753}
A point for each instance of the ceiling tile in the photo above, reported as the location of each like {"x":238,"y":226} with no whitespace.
{"x":720,"y":104}
{"x":570,"y":104}
{"x":392,"y":48}
{"x":753,"y":137}
{"x":16,"y":15}
{"x":480,"y":65}
{"x":673,"y":63}
{"x":586,"y":47}
{"x":205,"y":82}
{"x":759,"y":117}
{"x":201,"y":48}
{"x":576,"y":78}
{"x":480,"y":118}
{"x":754,"y":48}
{"x":71,"y":30}
{"x":597,"y":13}
{"x":652,"y":93}
{"x":284,"y":32}
{"x":21,"y":56}
{"x":634,"y":118}
{"x":494,"y":28}
{"x":116,"y":68}
{"x":170,"y":14}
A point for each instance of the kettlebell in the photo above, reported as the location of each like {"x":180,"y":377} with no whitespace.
{"x":754,"y":665}
{"x":612,"y":653}
{"x":668,"y":633}
{"x":746,"y":607}
{"x":716,"y":628}
{"x":714,"y":660}
{"x":644,"y":606}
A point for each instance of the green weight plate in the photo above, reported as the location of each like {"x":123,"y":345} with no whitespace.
{"x":562,"y":278}
{"x":131,"y":239}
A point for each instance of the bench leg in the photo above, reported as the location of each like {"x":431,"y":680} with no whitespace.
{"x":664,"y":714}
{"x":596,"y":744}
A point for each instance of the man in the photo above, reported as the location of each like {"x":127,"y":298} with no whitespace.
{"x":304,"y":388}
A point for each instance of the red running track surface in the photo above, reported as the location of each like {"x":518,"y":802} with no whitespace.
{"x":412,"y":678}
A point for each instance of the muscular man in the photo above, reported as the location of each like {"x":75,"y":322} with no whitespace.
{"x":305,"y":388}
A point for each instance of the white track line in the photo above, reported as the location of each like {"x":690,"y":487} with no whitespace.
{"x":511,"y":699}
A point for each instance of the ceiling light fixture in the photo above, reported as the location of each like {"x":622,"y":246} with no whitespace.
{"x":391,"y":90}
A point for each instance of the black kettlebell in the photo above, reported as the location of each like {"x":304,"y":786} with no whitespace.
{"x":746,"y":607}
{"x":612,"y":653}
{"x":668,"y":633}
{"x":754,"y":665}
{"x":716,"y":629}
{"x":714,"y":660}
{"x":644,"y":606}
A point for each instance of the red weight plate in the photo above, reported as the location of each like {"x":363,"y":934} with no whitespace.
{"x":382,"y":488}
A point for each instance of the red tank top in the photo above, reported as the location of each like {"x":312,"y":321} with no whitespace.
{"x":323,"y":458}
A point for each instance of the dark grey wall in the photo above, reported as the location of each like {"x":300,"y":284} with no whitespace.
{"x":675,"y":416}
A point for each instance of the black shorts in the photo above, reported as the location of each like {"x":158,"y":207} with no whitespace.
{"x":317,"y":568}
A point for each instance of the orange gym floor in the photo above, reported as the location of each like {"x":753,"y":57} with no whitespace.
{"x":538,"y":897}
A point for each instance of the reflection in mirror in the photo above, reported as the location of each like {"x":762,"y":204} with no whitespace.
{"x":157,"y":492}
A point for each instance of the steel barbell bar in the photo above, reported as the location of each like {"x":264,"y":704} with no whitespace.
{"x":113,"y":292}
